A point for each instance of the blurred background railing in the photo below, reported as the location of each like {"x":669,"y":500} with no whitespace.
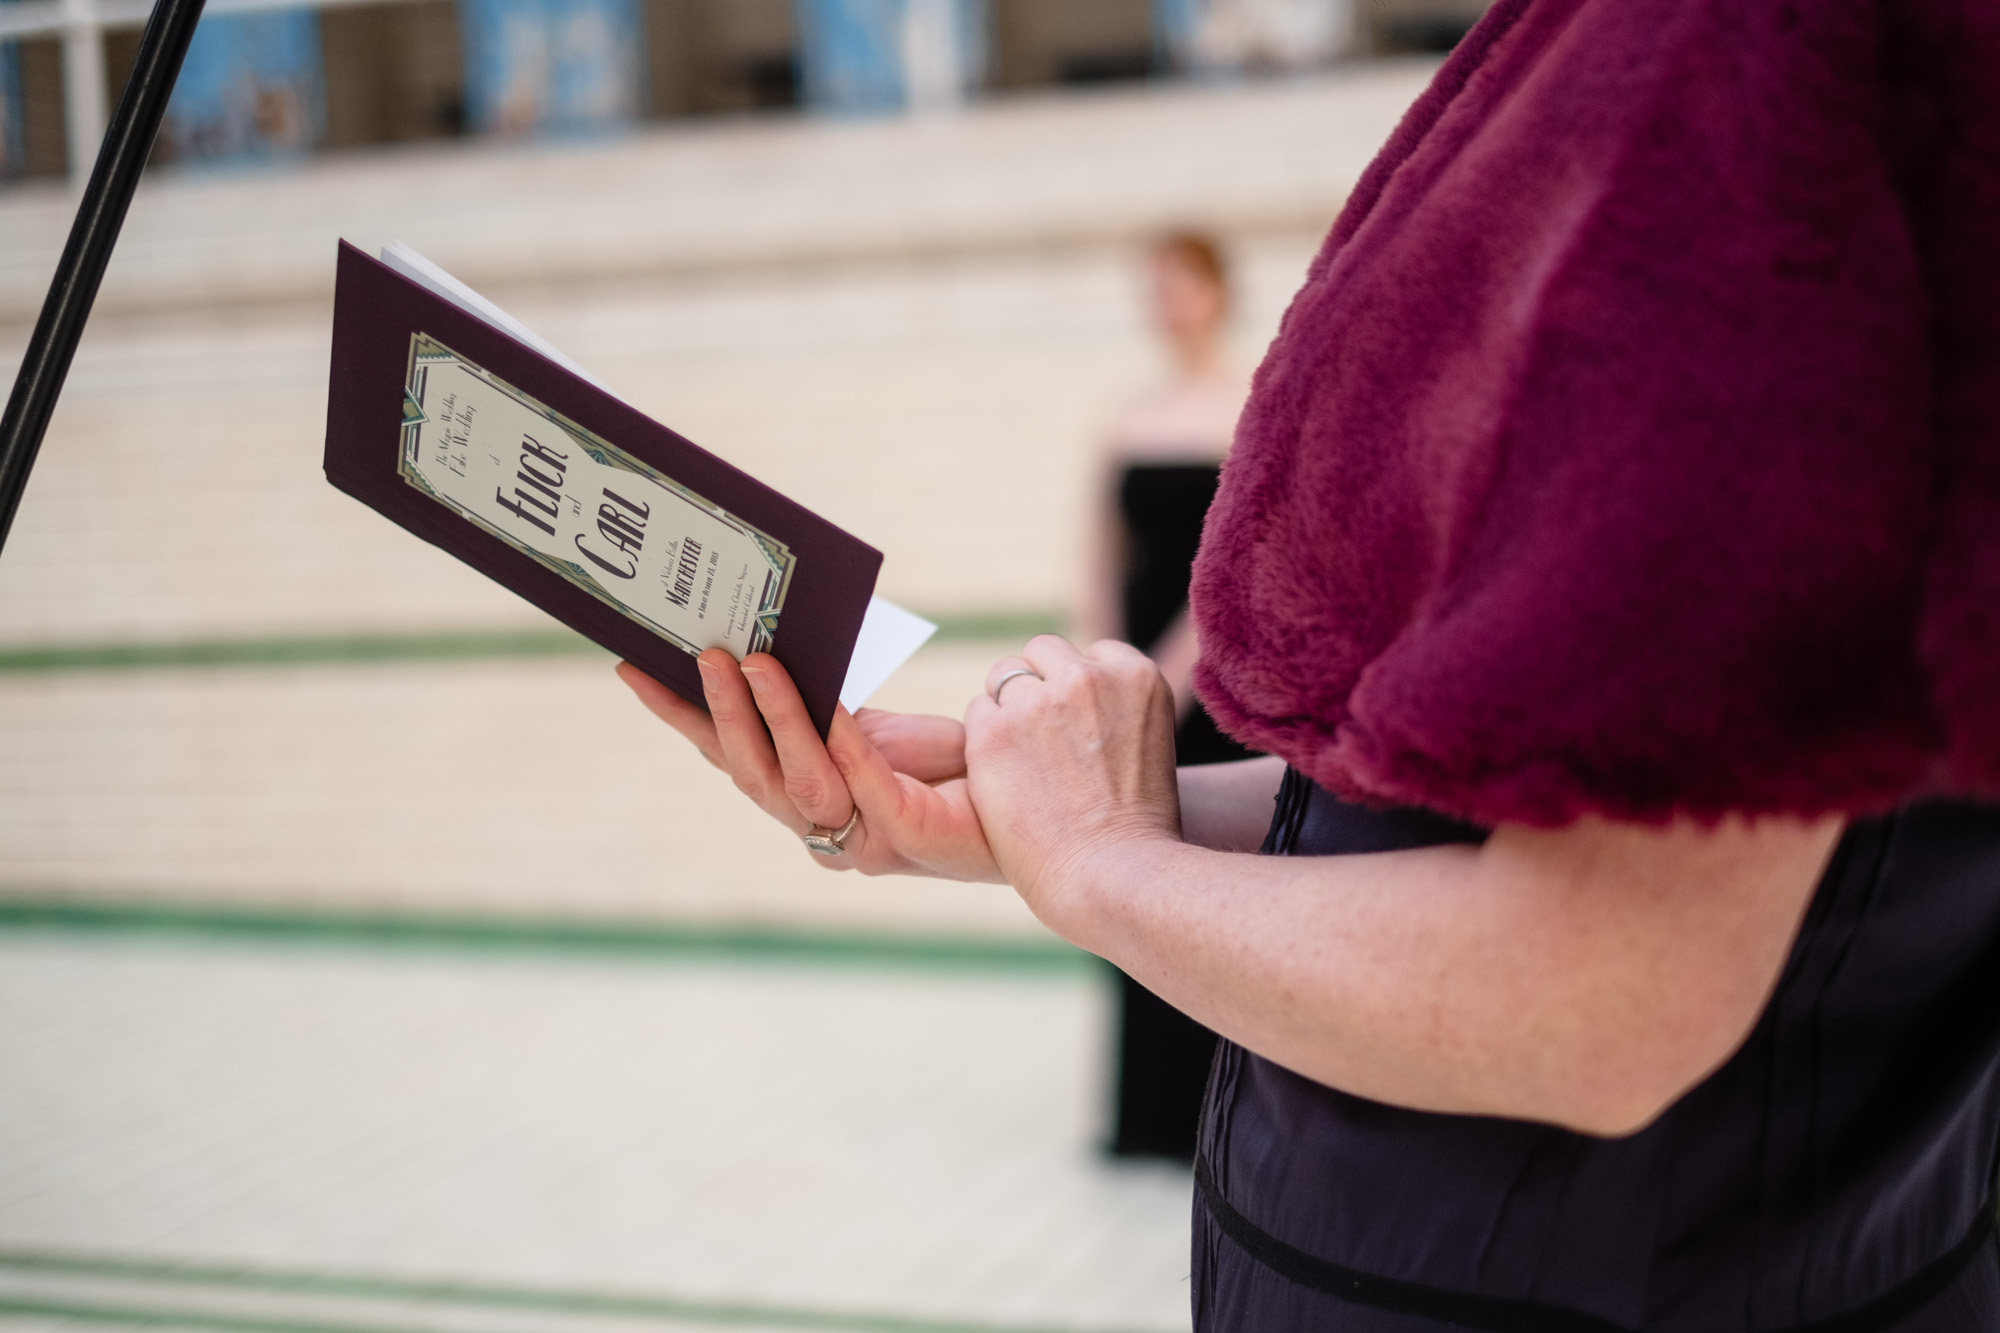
{"x":280,"y":77}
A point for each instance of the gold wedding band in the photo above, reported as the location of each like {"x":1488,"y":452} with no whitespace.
{"x":828,"y":842}
{"x":1001,"y":683}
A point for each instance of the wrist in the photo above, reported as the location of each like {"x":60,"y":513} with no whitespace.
{"x":1088,"y":896}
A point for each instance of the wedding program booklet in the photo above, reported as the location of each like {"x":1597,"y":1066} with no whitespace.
{"x":450,"y":418}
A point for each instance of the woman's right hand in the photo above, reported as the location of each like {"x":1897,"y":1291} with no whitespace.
{"x":904,"y":773}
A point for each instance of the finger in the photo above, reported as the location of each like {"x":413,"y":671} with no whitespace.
{"x":877,"y":789}
{"x":812,"y":783}
{"x":1127,"y":664}
{"x":870,"y":781}
{"x":690,"y":720}
{"x":1005,"y":675}
{"x":979,"y":711}
{"x":1050,"y":653}
{"x":1113,"y":650}
{"x":928,"y":748}
{"x":746,"y":746}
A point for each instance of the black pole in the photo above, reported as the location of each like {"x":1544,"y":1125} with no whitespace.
{"x":127,"y":144}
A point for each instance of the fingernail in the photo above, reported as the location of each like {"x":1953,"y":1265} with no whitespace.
{"x":707,"y":676}
{"x":756,"y":679}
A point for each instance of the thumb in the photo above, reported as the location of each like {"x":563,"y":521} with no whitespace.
{"x":930,"y":749}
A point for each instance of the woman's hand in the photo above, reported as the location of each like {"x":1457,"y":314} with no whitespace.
{"x":1073,"y":762}
{"x":916,"y":814}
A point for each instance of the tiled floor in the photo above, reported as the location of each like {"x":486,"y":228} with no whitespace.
{"x":772,"y":1144}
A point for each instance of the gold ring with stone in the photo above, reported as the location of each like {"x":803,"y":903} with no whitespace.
{"x":831,"y":842}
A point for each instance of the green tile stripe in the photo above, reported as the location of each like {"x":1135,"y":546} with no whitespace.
{"x":298,"y":650}
{"x":440,"y":646}
{"x":641,"y":940}
{"x":461,"y":1295}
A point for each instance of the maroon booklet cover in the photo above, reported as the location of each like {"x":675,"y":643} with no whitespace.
{"x":613,"y":524}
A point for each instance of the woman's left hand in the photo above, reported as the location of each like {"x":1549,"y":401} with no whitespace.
{"x":1073,"y":761}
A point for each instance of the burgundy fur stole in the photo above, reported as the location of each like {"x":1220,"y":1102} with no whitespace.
{"x":1634,"y":444}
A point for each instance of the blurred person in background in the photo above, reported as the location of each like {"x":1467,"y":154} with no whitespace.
{"x":1162,"y":459}
{"x":1609,"y":562}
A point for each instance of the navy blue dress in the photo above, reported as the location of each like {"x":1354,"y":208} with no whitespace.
{"x":1835,"y":1176}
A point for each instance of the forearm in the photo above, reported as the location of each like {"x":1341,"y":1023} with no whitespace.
{"x":1493,"y":980}
{"x":1227,"y":807}
{"x":1348,"y":970}
{"x":1584,"y":975}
